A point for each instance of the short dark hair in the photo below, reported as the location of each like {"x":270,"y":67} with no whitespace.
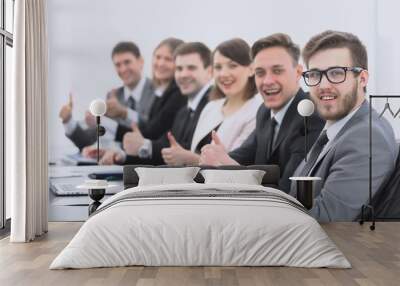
{"x":238,"y":51}
{"x":126,"y":47}
{"x":335,"y":39}
{"x":277,"y":40}
{"x":195,"y":48}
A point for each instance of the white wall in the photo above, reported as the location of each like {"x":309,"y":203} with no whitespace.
{"x":388,"y":55}
{"x":82,"y":34}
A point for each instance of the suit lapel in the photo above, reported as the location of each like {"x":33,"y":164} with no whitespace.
{"x":159,"y":101}
{"x":290,"y":114}
{"x":120,"y":95}
{"x":363,"y":109}
{"x":263,"y":140}
{"x":214,"y":118}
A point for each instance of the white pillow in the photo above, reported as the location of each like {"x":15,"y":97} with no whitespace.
{"x":164,"y":176}
{"x":249,"y":177}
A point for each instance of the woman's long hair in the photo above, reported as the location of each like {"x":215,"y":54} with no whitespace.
{"x":238,"y":51}
{"x":172,"y":44}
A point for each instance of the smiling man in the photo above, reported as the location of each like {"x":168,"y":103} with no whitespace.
{"x":279,"y":134}
{"x":126,"y":104}
{"x":192,"y":75}
{"x":337,"y":76}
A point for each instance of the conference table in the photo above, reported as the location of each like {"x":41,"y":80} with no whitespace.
{"x":73,"y":207}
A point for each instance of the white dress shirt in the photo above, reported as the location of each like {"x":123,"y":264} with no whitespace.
{"x":278,"y":116}
{"x":234,"y":129}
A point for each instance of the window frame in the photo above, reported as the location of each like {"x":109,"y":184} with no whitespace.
{"x":6,"y":39}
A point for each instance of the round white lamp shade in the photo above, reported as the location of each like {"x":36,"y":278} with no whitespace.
{"x":305,"y":107}
{"x":98,"y":107}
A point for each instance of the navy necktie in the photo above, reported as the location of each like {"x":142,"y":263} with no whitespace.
{"x":188,"y":128}
{"x":315,"y":151}
{"x":131,"y":103}
{"x":271,"y":135}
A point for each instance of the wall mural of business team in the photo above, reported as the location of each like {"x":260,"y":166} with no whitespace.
{"x":248,"y":115}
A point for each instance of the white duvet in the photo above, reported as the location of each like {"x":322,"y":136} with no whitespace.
{"x":183,"y":231}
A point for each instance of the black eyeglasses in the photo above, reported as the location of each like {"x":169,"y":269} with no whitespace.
{"x":333,"y":75}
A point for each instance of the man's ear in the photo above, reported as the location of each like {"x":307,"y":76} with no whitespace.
{"x":251,"y":70}
{"x":364,"y":77}
{"x":299,"y":71}
{"x":210,"y":71}
{"x":141,"y":62}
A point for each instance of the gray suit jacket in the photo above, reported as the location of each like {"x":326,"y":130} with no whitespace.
{"x":344,"y":167}
{"x":83,"y":137}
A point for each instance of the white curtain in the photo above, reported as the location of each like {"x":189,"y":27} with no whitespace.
{"x":27,"y":123}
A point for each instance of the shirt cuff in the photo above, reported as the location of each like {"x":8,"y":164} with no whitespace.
{"x":70,"y":127}
{"x":146,"y":150}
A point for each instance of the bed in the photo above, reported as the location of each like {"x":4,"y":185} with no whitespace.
{"x":201,"y":224}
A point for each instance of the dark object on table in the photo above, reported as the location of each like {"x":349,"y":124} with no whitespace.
{"x":109,"y":176}
{"x":96,"y":195}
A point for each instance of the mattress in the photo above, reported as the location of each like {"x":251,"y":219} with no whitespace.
{"x":201,"y":225}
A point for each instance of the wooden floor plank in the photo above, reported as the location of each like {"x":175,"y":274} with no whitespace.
{"x":375,"y":258}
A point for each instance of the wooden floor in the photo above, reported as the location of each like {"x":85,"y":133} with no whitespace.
{"x":375,"y":257}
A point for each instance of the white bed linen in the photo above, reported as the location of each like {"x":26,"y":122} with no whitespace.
{"x":200,"y":231}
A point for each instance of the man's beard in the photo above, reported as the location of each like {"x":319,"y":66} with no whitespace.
{"x":345,"y":107}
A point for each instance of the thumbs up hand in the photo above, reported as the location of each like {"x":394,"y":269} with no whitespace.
{"x":66,"y":110}
{"x":215,"y":154}
{"x":90,"y":119}
{"x":114,"y":108}
{"x":132,"y":141}
{"x":215,"y":139}
{"x":176,"y":155}
{"x":172,"y":140}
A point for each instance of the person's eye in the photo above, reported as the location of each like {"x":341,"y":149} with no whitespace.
{"x":232,"y":66}
{"x":217,"y":67}
{"x":313,"y":75}
{"x":277,"y":71}
{"x":259,"y":73}
{"x":336,"y":73}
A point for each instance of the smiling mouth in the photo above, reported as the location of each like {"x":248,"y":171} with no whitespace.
{"x":327,"y":97}
{"x":226,"y":84}
{"x":271,"y":92}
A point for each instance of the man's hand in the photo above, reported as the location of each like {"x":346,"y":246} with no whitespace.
{"x":214,"y":154}
{"x":112,"y":157}
{"x":114,"y":108}
{"x":176,"y":155}
{"x":66,"y":110}
{"x":91,"y":152}
{"x":90,"y":119}
{"x":132,"y":141}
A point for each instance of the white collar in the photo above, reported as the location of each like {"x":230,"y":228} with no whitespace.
{"x":159,"y":91}
{"x":281,"y":113}
{"x":136,"y":92}
{"x":333,"y":128}
{"x":194,"y":101}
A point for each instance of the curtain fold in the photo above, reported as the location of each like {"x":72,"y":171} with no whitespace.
{"x":28,"y":123}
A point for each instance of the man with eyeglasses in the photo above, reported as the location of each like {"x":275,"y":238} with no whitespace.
{"x":279,"y":134}
{"x":337,"y":76}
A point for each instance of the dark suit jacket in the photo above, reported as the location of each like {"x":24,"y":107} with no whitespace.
{"x":182,"y":129}
{"x":162,"y":115}
{"x":288,"y":150}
